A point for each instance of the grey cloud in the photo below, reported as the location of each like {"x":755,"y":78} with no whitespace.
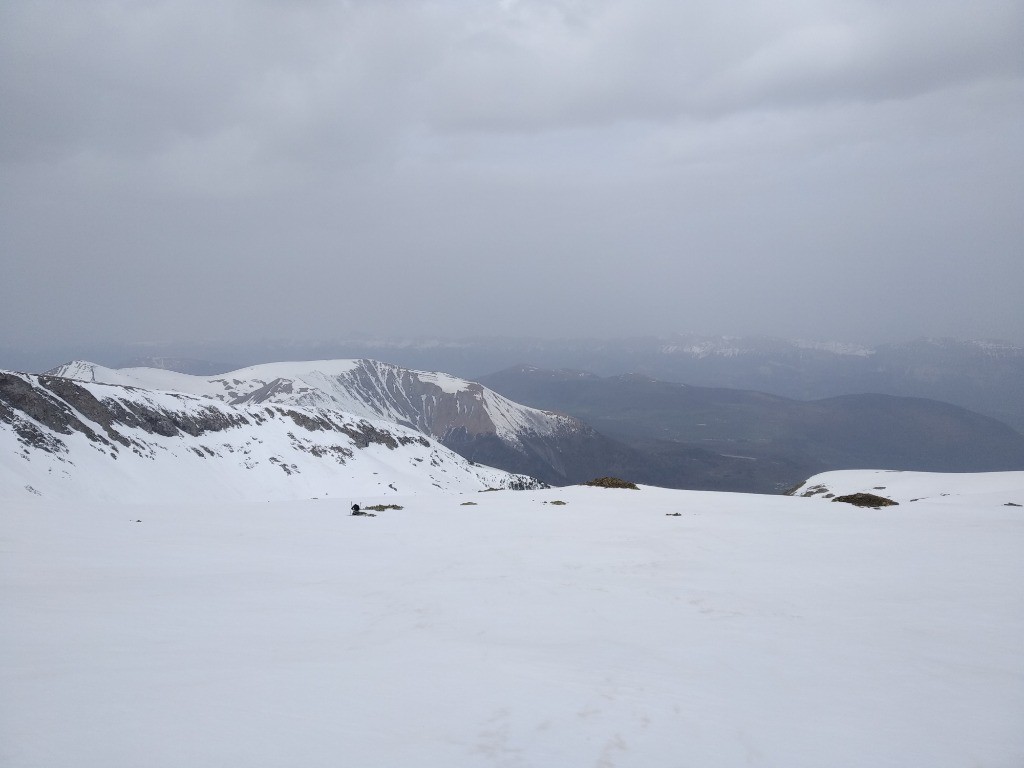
{"x":666,"y":60}
{"x":163,"y":77}
{"x":831,"y":168}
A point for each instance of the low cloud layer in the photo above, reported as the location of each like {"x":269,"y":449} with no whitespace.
{"x":845,"y":169}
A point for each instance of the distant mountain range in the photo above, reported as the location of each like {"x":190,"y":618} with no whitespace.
{"x":777,"y":437}
{"x":983,"y":376}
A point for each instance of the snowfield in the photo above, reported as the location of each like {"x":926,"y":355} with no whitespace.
{"x":985,"y":488}
{"x":624,"y":628}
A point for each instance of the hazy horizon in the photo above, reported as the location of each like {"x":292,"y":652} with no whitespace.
{"x":38,"y":358}
{"x":847,"y":170}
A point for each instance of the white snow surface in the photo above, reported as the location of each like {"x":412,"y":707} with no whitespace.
{"x":626,"y":628}
{"x":909,"y":487}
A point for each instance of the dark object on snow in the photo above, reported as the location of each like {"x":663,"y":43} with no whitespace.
{"x":357,"y":511}
{"x":612,"y":482}
{"x":866,"y":500}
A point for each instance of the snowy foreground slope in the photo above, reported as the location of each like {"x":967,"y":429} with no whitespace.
{"x":624,"y":628}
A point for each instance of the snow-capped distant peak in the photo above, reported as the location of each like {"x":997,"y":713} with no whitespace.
{"x":835,"y":347}
{"x":732,"y":346}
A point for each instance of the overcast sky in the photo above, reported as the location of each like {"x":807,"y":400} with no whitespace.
{"x":827,"y":169}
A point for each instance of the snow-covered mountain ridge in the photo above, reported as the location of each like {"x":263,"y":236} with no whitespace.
{"x":433,"y":403}
{"x":465,"y":416}
{"x":65,"y":438}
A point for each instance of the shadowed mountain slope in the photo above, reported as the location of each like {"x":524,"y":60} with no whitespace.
{"x":852,"y":431}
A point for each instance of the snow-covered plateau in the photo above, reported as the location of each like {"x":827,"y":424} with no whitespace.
{"x":564,"y":627}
